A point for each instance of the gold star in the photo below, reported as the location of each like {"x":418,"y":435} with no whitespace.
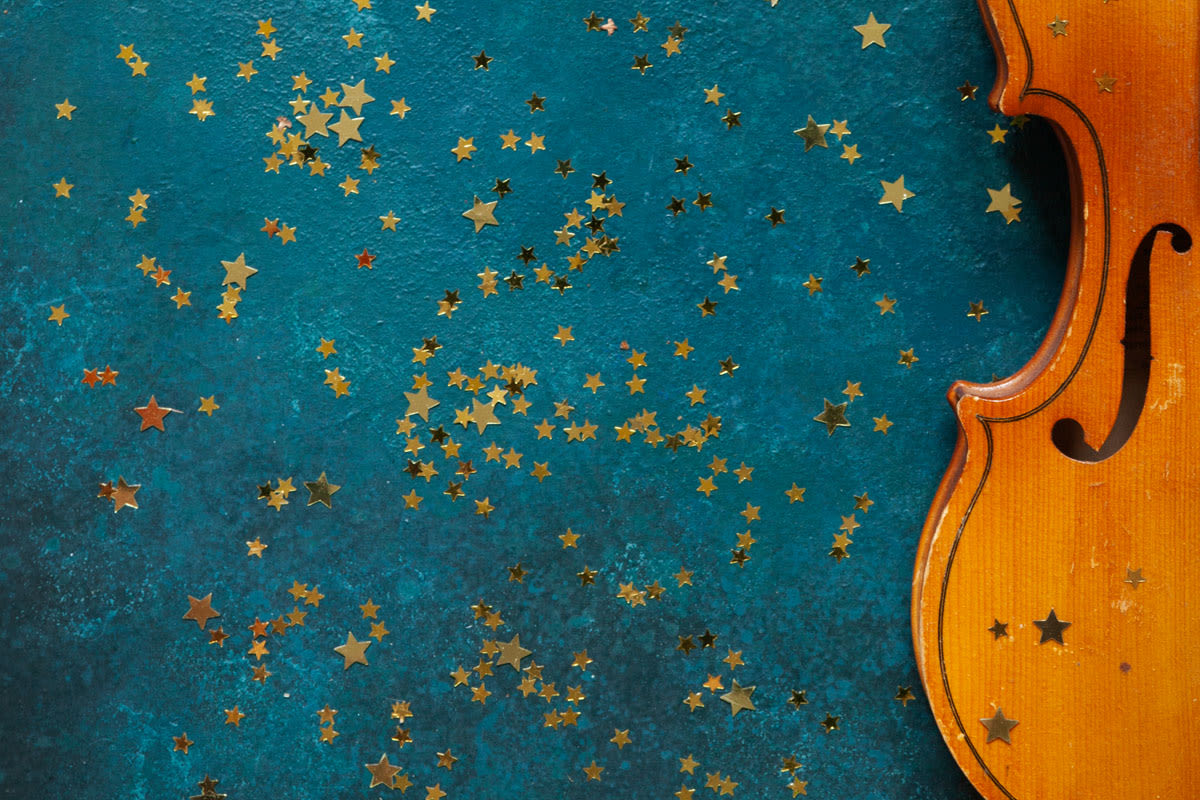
{"x":850,"y":153}
{"x":1058,"y":27}
{"x":424,"y":12}
{"x":1004,"y":203}
{"x":246,"y":70}
{"x":353,"y":651}
{"x":353,"y":39}
{"x":967,"y":91}
{"x":270,"y":49}
{"x":620,"y":738}
{"x":62,"y":188}
{"x":569,"y":539}
{"x":1106,"y":83}
{"x":208,"y":404}
{"x":907,"y":358}
{"x":738,"y":698}
{"x":813,"y":134}
{"x":326,"y":348}
{"x":237,"y":271}
{"x":713,"y":95}
{"x":384,"y":63}
{"x":382,"y":773}
{"x":58,"y":314}
{"x":255,"y":548}
{"x":564,"y":335}
{"x":833,"y":417}
{"x":64,"y":108}
{"x":389,"y":221}
{"x":321,"y":491}
{"x":642,"y":63}
{"x":349,"y":185}
{"x":997,"y":133}
{"x":904,"y":695}
{"x":593,"y":771}
{"x":512,"y":652}
{"x":977,"y":310}
{"x":265,"y":28}
{"x":464,"y":148}
{"x":182,"y":743}
{"x":886,"y":305}
{"x":1134,"y":577}
{"x":202,"y":109}
{"x":795,"y":494}
{"x":124,"y":495}
{"x":882,"y":424}
{"x":482,"y":213}
{"x":400,"y":108}
{"x":315,"y":121}
{"x":813,"y":284}
{"x":872,"y":31}
{"x":895,"y":193}
{"x":347,"y":128}
{"x":536,"y":142}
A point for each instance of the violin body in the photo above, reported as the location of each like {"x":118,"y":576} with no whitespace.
{"x":1056,"y":596}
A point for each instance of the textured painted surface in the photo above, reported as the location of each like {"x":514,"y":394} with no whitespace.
{"x":100,"y":671}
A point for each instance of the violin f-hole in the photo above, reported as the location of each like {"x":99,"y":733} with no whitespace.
{"x":1067,"y":434}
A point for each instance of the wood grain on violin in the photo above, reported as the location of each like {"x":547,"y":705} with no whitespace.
{"x":1056,"y":597}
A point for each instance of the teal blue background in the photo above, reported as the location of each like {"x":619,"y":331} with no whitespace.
{"x":100,"y":671}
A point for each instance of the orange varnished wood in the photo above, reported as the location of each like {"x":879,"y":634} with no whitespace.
{"x":1017,"y":527}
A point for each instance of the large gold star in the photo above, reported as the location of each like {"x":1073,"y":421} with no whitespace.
{"x":512,"y":652}
{"x":739,"y":698}
{"x":201,"y":610}
{"x":382,"y":772}
{"x":237,"y":271}
{"x":482,"y":213}
{"x":355,"y":96}
{"x":895,"y":193}
{"x":353,"y":651}
{"x":321,"y":491}
{"x":1004,"y":203}
{"x":872,"y":31}
{"x":124,"y":495}
{"x":833,"y":417}
{"x":315,"y":121}
{"x":347,"y":128}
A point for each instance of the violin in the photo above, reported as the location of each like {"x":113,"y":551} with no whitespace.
{"x":1056,"y":594}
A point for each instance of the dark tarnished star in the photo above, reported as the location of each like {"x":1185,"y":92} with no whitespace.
{"x":1052,"y":628}
{"x":999,"y":629}
{"x":998,"y":727}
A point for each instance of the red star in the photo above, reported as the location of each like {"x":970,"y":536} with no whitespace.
{"x":109,"y":376}
{"x":152,"y":414}
{"x":270,"y":226}
{"x":365,"y":259}
{"x":90,"y":376}
{"x":162,"y":276}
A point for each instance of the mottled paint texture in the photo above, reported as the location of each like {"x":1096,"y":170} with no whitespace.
{"x":100,"y":671}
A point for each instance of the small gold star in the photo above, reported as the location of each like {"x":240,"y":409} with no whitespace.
{"x":977,"y":310}
{"x":713,"y":95}
{"x":997,"y":133}
{"x":882,"y":424}
{"x":62,"y":188}
{"x":58,"y":314}
{"x":907,"y":359}
{"x":886,"y":305}
{"x":850,"y":153}
{"x":1058,"y":27}
{"x":64,"y":109}
{"x":1106,"y":83}
{"x":208,"y":404}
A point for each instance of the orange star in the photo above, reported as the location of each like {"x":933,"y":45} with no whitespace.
{"x":152,"y":414}
{"x":201,"y":610}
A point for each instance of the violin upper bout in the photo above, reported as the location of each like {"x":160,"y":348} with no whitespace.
{"x":1013,"y":60}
